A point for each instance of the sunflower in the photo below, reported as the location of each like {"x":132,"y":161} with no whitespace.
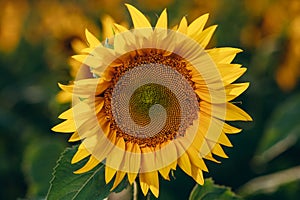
{"x":157,"y":100}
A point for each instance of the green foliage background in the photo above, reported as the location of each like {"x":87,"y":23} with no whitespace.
{"x":35,"y":45}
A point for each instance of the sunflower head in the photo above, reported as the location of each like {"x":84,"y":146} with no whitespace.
{"x":158,"y":99}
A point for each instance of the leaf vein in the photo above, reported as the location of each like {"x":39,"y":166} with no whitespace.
{"x":86,"y":182}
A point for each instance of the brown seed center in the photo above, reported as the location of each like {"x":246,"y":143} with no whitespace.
{"x":152,"y":97}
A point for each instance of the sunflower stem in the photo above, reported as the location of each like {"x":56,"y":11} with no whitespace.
{"x":125,"y":194}
{"x":135,"y":191}
{"x":149,"y":196}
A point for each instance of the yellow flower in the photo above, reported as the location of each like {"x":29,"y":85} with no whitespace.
{"x":158,"y":99}
{"x":12,"y":16}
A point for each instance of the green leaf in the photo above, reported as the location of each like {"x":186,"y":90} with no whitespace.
{"x":67,"y":185}
{"x":39,"y":159}
{"x":210,"y":191}
{"x":282,"y":131}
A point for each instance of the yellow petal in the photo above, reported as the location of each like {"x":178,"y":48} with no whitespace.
{"x":214,"y":94}
{"x":109,"y":173}
{"x":107,"y":26}
{"x":174,"y":28}
{"x":183,"y":26}
{"x":209,"y":110}
{"x":204,"y":37}
{"x":119,"y":28}
{"x":173,"y":165}
{"x":81,"y":153}
{"x":169,"y":155}
{"x":205,"y":148}
{"x":223,"y":139}
{"x":80,"y":58}
{"x":119,"y":177}
{"x":234,"y":113}
{"x":224,"y":111}
{"x":86,"y":87}
{"x":218,"y":150}
{"x":230,"y":72}
{"x":159,"y":160}
{"x":78,"y":70}
{"x":91,"y":163}
{"x":99,"y":103}
{"x":66,"y":88}
{"x":234,"y":75}
{"x":200,"y":134}
{"x":131,"y":177}
{"x":105,"y":125}
{"x":234,"y":90}
{"x":148,"y":159}
{"x":154,"y":187}
{"x":211,"y":158}
{"x":216,"y":136}
{"x":185,"y":164}
{"x":86,"y":51}
{"x":91,"y":143}
{"x":197,"y":25}
{"x":91,"y":61}
{"x":115,"y":158}
{"x":67,"y":126}
{"x":162,"y":21}
{"x":132,"y":161}
{"x":68,"y":114}
{"x":75,"y":137}
{"x":195,"y":159}
{"x":83,"y":113}
{"x":63,"y":97}
{"x":105,"y":57}
{"x":150,"y":180}
{"x":78,"y":45}
{"x":230,"y":129}
{"x":197,"y":175}
{"x":100,"y":145}
{"x":223,"y":55}
{"x":135,"y":161}
{"x":144,"y":185}
{"x":88,"y":129}
{"x":164,"y":172}
{"x":138,"y":19}
{"x":92,"y":40}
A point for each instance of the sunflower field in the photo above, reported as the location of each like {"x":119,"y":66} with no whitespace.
{"x":150,"y":99}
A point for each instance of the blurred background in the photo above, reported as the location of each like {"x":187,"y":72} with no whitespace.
{"x":38,"y":37}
